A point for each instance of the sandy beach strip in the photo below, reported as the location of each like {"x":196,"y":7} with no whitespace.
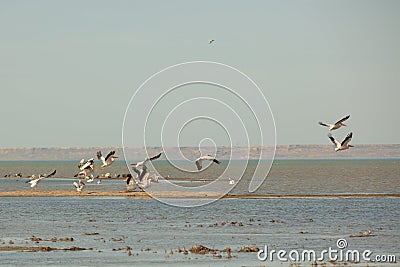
{"x":175,"y":194}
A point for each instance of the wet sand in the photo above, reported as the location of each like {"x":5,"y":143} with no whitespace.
{"x":175,"y":194}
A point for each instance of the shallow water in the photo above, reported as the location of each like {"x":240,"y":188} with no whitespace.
{"x":295,"y":223}
{"x":298,"y":224}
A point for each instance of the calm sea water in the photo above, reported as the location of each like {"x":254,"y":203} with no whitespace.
{"x":286,"y":176}
{"x":108,"y":225}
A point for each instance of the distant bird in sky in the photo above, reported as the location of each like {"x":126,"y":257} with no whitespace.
{"x":336,"y":125}
{"x":108,"y":160}
{"x":79,"y":186}
{"x":142,"y":163}
{"x":143,"y":176}
{"x":211,"y":41}
{"x":86,"y":168}
{"x":345,"y":143}
{"x":199,"y":161}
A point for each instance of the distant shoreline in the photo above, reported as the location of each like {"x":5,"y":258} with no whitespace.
{"x":378,"y":151}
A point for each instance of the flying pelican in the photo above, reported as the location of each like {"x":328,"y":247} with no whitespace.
{"x":337,"y":124}
{"x":86,"y":168}
{"x":345,"y":143}
{"x":34,"y":183}
{"x":79,"y":187}
{"x":143,"y":176}
{"x":108,"y":160}
{"x":211,"y":41}
{"x":142,"y":163}
{"x":207,"y":157}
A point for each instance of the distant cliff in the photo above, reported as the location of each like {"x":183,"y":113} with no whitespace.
{"x":282,"y":152}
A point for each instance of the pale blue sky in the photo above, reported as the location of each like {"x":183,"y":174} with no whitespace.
{"x":69,"y":68}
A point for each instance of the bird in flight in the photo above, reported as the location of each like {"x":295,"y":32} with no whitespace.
{"x":79,"y":186}
{"x":86,"y":168}
{"x":108,"y":160}
{"x":211,"y":41}
{"x":345,"y":143}
{"x":142,"y":163}
{"x":199,"y":161}
{"x":336,"y":125}
{"x":143,"y":176}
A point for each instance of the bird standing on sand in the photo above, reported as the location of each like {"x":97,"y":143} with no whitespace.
{"x":79,"y":186}
{"x":336,"y":125}
{"x":207,"y":157}
{"x":345,"y":143}
{"x":108,"y":160}
{"x":231,"y":181}
{"x":142,"y":163}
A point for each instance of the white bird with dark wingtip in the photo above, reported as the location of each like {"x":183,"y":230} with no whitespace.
{"x":199,"y":161}
{"x":86,"y":168}
{"x":143,"y":176}
{"x":79,"y":186}
{"x":34,"y":182}
{"x":336,"y":125}
{"x":345,"y":143}
{"x":142,"y":163}
{"x":108,"y":160}
{"x":211,"y":41}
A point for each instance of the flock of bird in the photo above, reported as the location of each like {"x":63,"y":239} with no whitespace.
{"x":141,"y":180}
{"x":345,"y":143}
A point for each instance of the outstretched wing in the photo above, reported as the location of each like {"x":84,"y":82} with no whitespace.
{"x":100,"y":157}
{"x":109,"y":155}
{"x":216,"y":161}
{"x":342,"y":120}
{"x":323,"y":124}
{"x":156,"y":156}
{"x":334,"y":141}
{"x":136,"y":170}
{"x":51,"y":174}
{"x":347,"y":139}
{"x":81,"y":163}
